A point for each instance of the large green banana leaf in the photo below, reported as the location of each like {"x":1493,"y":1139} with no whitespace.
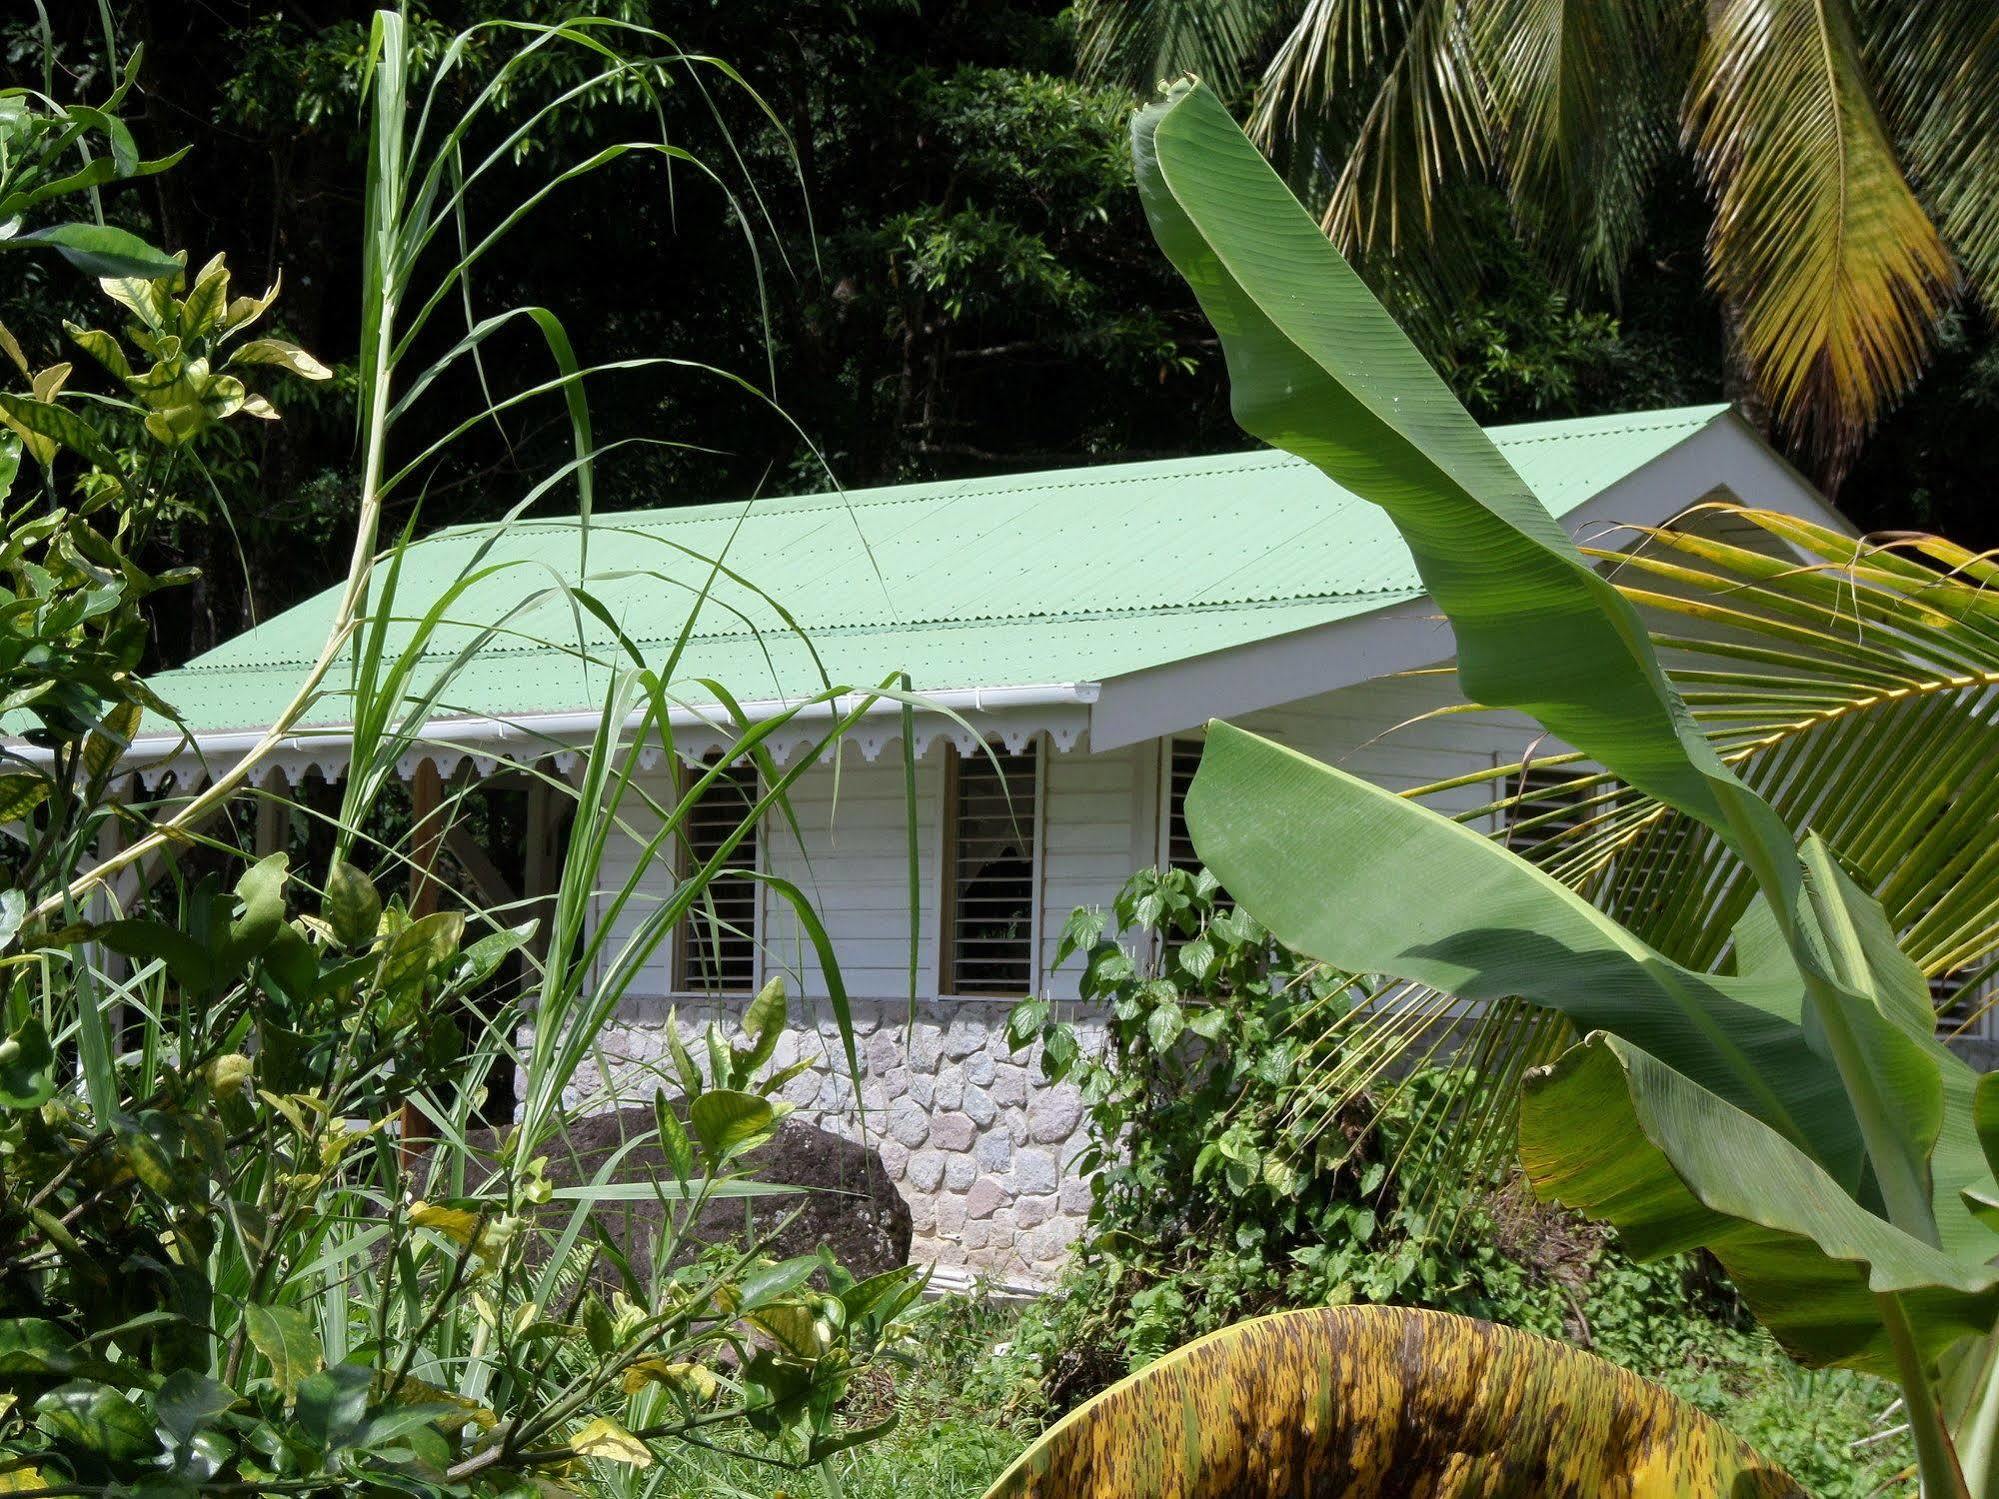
{"x":1675,"y":1168}
{"x":1318,"y":367}
{"x":1372,"y":1402}
{"x":1373,"y":883}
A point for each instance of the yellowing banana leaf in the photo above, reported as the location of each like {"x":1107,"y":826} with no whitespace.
{"x":1368,"y":1402}
{"x":1371,"y":882}
{"x":1617,"y":1134}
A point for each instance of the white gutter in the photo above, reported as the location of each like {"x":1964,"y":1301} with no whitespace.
{"x":489,"y":734}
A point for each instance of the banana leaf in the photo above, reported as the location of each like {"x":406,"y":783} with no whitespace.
{"x":1367,"y":1402}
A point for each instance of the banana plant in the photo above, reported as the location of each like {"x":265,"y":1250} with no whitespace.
{"x":1795,"y":1114}
{"x":1369,"y":1401}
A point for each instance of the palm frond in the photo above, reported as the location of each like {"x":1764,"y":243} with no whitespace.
{"x":1583,"y":100}
{"x":1140,"y":42}
{"x":1939,"y":68}
{"x":1818,"y":239}
{"x":1854,"y":684}
{"x":1426,"y":126}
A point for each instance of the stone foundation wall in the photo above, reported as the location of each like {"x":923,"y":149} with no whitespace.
{"x":976,"y":1139}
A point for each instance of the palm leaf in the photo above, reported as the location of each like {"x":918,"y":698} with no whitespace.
{"x":1368,"y":1402}
{"x":1818,"y":240}
{"x":1939,"y":69}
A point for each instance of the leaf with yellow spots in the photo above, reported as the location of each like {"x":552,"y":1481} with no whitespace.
{"x":606,"y":1439}
{"x":1368,"y":1402}
{"x":694,"y":1381}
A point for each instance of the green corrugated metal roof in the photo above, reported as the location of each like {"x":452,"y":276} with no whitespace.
{"x":1070,"y":576}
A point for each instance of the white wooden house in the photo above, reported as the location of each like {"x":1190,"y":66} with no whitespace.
{"x":1083,"y":624}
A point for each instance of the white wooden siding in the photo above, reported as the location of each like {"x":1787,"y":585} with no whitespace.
{"x":1100,"y":821}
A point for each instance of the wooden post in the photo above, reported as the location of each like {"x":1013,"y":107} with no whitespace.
{"x":426,"y":840}
{"x":426,"y":836}
{"x":274,"y":815}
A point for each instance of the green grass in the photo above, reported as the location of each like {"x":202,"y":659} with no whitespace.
{"x":968,"y":1406}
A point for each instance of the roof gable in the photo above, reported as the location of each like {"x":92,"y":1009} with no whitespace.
{"x":1070,"y":576}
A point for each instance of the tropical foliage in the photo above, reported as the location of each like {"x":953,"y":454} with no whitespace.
{"x":1360,"y":1400}
{"x":251,"y":1239}
{"x":1796,"y":1116}
{"x":1846,"y":148}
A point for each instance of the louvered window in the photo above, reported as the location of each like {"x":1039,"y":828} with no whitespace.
{"x":1183,"y":758}
{"x":1551,"y":805}
{"x":715,"y":949}
{"x":1962,"y":1008}
{"x":992,"y":833}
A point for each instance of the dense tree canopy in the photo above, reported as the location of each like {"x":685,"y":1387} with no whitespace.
{"x":928,"y":250}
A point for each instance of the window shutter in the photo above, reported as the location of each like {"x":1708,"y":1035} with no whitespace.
{"x":715,"y":949}
{"x":1183,"y":758}
{"x":992,"y":827}
{"x":1550,"y":807}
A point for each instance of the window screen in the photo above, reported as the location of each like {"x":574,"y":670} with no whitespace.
{"x":1183,"y":758}
{"x":715,"y":951}
{"x":990,"y":835}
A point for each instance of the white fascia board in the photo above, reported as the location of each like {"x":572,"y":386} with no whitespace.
{"x":964,"y":717}
{"x":1725,"y":456}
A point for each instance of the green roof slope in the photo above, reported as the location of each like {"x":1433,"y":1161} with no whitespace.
{"x":1071,"y":576}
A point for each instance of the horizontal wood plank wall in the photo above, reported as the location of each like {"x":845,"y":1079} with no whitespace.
{"x":1100,"y":817}
{"x":1377,"y":730}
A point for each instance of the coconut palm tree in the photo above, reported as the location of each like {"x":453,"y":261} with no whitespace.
{"x":1850,"y":149}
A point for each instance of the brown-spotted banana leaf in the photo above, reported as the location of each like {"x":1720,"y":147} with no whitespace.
{"x":1620,"y":1136}
{"x":1371,"y":1402}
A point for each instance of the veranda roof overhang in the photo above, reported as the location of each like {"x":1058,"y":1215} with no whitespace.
{"x":1098,"y":606}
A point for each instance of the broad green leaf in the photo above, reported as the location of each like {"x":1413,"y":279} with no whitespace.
{"x":285,"y":356}
{"x":352,"y":908}
{"x":284,"y":1336}
{"x":186,"y":1401}
{"x":261,"y":891}
{"x":98,"y":1419}
{"x":609,"y":1442}
{"x":100,"y":250}
{"x":420,"y":948}
{"x":727,"y":1122}
{"x":1370,"y":1402}
{"x":1617,"y":1134}
{"x":1374,"y":883}
{"x":10,"y":465}
{"x":48,"y":426}
{"x":763,"y":1023}
{"x":27,"y":1067}
{"x":1317,"y":367}
{"x":333,"y":1404}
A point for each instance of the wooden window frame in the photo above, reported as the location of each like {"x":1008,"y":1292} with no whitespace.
{"x":678,"y":977}
{"x":947,"y":875}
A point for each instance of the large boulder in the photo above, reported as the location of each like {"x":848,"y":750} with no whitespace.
{"x":854,"y":1209}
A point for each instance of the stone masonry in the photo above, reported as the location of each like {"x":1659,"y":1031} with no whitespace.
{"x":980,"y":1144}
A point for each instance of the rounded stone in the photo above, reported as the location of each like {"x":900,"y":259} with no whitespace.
{"x":1030,"y":1212}
{"x":979,"y":1106}
{"x":994,"y":1152}
{"x":926,"y":1170}
{"x":908,"y":1123}
{"x":960,"y":1171}
{"x":952,"y":1132}
{"x":984,"y":1198}
{"x":1054,"y":1113}
{"x":1034,"y":1173}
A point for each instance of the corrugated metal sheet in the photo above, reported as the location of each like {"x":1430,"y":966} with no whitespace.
{"x":1076,"y":575}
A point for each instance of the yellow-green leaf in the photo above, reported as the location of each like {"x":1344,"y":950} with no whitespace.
{"x":1368,"y":1402}
{"x":605,"y":1439}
